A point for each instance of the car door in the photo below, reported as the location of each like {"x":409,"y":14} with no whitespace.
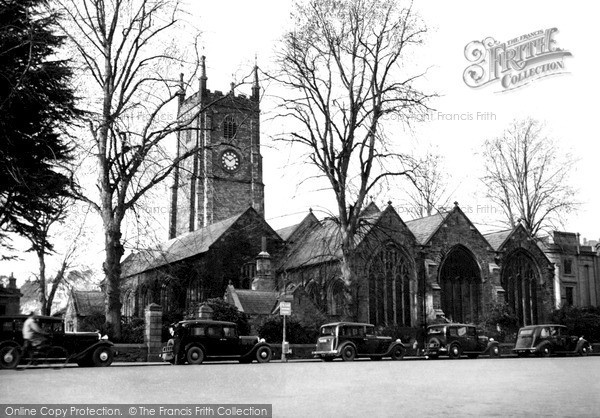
{"x":356,"y":335}
{"x":372,"y":344}
{"x":212,"y":339}
{"x":562,"y":342}
{"x":469,"y":338}
{"x":230,"y":342}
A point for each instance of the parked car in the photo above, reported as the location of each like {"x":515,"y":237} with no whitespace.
{"x":548,"y":339}
{"x":83,"y":348}
{"x":454,"y":340}
{"x":195,"y":341}
{"x":349,"y":340}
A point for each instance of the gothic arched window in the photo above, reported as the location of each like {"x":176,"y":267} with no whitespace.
{"x":520,"y":277}
{"x":194,"y":293}
{"x":390,"y":300}
{"x":336,"y":299}
{"x":460,"y":280}
{"x":229,"y":127}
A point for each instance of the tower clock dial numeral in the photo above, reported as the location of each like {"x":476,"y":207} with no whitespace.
{"x":230,"y":161}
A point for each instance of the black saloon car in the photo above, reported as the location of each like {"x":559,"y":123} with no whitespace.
{"x":454,"y":340}
{"x":350,"y":340}
{"x":548,"y":339}
{"x":83,"y":348}
{"x":195,"y":341}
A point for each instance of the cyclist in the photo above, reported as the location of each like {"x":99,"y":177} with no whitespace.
{"x":33,"y":335}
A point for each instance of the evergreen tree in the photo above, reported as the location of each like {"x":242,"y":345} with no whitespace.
{"x":36,"y":103}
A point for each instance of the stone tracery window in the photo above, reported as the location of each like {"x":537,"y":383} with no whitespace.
{"x":520,"y":277}
{"x":460,"y":282}
{"x":390,"y":300}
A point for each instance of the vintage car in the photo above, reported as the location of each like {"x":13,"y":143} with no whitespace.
{"x":195,"y":341}
{"x":454,"y":340}
{"x":350,"y":340}
{"x":83,"y":348}
{"x":548,"y":339}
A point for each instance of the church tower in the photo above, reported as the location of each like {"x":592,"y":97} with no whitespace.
{"x":222,"y":176}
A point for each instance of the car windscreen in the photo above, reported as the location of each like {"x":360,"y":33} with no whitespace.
{"x":526,"y":332}
{"x":435,"y":331}
{"x":327,"y":330}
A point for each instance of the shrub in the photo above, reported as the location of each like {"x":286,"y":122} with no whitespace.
{"x":580,"y":321}
{"x":499,"y":322}
{"x":132,"y":331}
{"x":296,"y":333}
{"x":92,"y":323}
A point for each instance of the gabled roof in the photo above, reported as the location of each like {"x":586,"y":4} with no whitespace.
{"x":424,"y":228}
{"x":88,"y":302}
{"x":291,"y":233}
{"x":497,"y":239}
{"x":252,"y":302}
{"x":181,"y":247}
{"x":322,"y":241}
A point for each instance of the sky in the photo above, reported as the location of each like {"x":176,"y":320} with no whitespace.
{"x":236,"y":34}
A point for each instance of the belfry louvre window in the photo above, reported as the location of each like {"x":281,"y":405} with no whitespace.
{"x":229,"y":127}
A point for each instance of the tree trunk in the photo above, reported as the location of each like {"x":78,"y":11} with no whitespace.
{"x":42,"y":283}
{"x":348,"y":275}
{"x":112,"y":273}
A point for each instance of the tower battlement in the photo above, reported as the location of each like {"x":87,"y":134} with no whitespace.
{"x":223,"y":174}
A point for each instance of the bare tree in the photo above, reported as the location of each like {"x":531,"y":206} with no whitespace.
{"x":343,"y":67}
{"x":40,"y":228}
{"x":527,"y":176}
{"x":129,"y":51}
{"x":430,"y":187}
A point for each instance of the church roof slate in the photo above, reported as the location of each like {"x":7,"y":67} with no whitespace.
{"x":424,"y":228}
{"x":322,"y":242}
{"x":88,"y":302}
{"x":286,"y":232}
{"x":254,"y":302}
{"x":178,"y":248}
{"x":496,"y":239}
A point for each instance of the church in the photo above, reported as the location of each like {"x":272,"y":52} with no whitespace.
{"x":408,"y":273}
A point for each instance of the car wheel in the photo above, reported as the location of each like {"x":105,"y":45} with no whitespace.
{"x":263,"y":354}
{"x":397,"y":353}
{"x":495,"y":352}
{"x":102,"y":357}
{"x":584,"y":350}
{"x":545,"y":351}
{"x":454,"y":351}
{"x":327,"y":359}
{"x":9,"y":357}
{"x":195,"y":355}
{"x":348,"y":353}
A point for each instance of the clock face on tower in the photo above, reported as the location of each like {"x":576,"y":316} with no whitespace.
{"x":230,"y":161}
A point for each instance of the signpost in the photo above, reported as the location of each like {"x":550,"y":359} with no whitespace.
{"x":285,"y":309}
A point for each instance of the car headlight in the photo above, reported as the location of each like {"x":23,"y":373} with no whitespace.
{"x":492,"y":340}
{"x":262,"y":340}
{"x":104,"y":337}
